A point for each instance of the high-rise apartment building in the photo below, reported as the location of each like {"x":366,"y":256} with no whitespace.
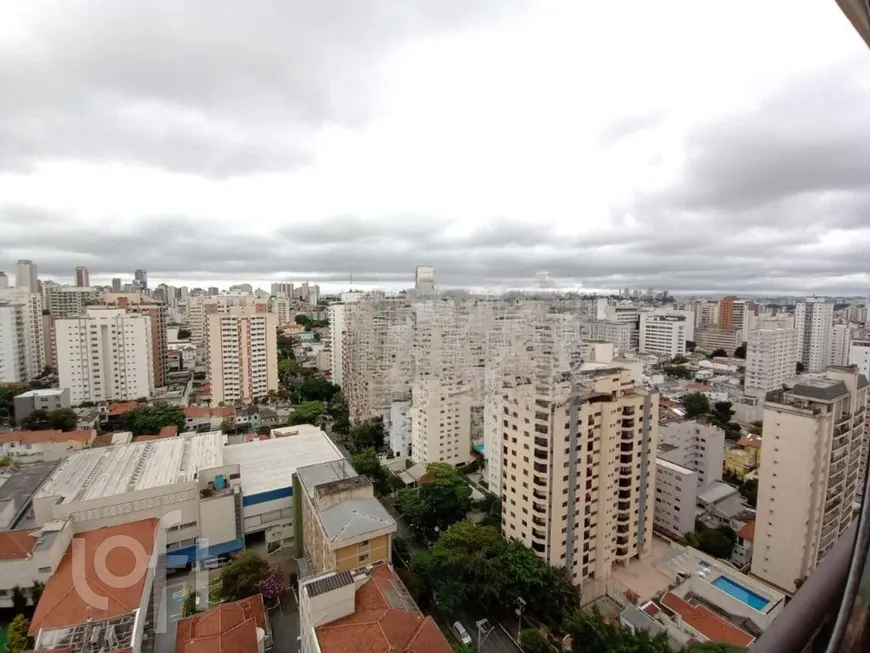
{"x":282,"y":288}
{"x":424,"y":279}
{"x":582,"y":497}
{"x":617,"y":333}
{"x":13,"y":358}
{"x":83,"y":277}
{"x":27,"y":276}
{"x":280,"y":306}
{"x":242,"y":352}
{"x":665,"y":335}
{"x":813,"y":319}
{"x":141,"y":278}
{"x":338,"y":333}
{"x":808,"y":482}
{"x":105,"y":355}
{"x":4,"y":280}
{"x":841,"y":339}
{"x":201,"y":306}
{"x":695,"y":444}
{"x":440,"y":420}
{"x":138,"y":304}
{"x":771,"y":354}
{"x":117,"y":284}
{"x":859,"y":356}
{"x":70,"y":301}
{"x":33,"y":330}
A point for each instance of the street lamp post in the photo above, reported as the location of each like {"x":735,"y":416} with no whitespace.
{"x":521,"y":604}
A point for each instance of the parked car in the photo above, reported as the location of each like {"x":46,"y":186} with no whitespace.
{"x":462,"y":633}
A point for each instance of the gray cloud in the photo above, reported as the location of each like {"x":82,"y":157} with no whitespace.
{"x":206,"y":86}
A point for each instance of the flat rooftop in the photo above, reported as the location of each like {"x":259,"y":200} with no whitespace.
{"x":268,"y":465}
{"x":20,"y":485}
{"x":48,"y":392}
{"x":674,"y":467}
{"x":111,"y":471}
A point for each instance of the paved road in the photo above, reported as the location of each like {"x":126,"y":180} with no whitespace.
{"x":497,"y":641}
{"x":176,"y":590}
{"x":285,"y":626}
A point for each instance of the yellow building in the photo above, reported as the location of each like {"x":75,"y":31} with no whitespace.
{"x":744,"y":457}
{"x":343,"y":526}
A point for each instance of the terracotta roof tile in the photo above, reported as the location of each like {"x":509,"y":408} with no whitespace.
{"x":197,"y":411}
{"x":61,"y":605}
{"x":169,"y":431}
{"x":49,"y":435}
{"x":709,"y":624}
{"x":122,"y":408}
{"x":228,"y":628}
{"x":377,"y":627}
{"x":750,"y":441}
{"x":748,"y":531}
{"x":16,"y":545}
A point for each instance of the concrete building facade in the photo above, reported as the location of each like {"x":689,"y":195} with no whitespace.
{"x":48,"y":399}
{"x":242,"y":353}
{"x":808,"y":483}
{"x":814,"y":319}
{"x":31,"y":303}
{"x":138,"y":304}
{"x":13,"y":350}
{"x":585,"y":504}
{"x":665,"y":335}
{"x":694,"y":444}
{"x":440,"y":419}
{"x":70,"y":301}
{"x":675,"y":499}
{"x":105,"y":356}
{"x":771,"y":354}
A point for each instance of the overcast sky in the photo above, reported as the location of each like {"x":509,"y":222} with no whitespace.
{"x":644,"y":144}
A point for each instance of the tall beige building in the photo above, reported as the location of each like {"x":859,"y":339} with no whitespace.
{"x":440,"y":417}
{"x":808,"y":483}
{"x":13,"y":356}
{"x":139,"y":304}
{"x":242,"y":352}
{"x":31,"y":303}
{"x":105,"y":355}
{"x":585,"y":504}
{"x":83,"y":277}
{"x":200,"y":307}
{"x":771,"y":354}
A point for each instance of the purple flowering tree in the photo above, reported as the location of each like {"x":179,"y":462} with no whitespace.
{"x":272,"y":587}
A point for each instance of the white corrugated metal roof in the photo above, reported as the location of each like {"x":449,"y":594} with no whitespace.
{"x":115,"y":470}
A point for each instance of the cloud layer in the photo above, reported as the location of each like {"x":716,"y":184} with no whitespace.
{"x":215,"y":141}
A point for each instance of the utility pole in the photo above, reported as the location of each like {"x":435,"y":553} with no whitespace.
{"x":521,"y":604}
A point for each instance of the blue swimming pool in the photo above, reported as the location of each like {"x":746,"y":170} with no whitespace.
{"x":478,"y":448}
{"x":741,"y":593}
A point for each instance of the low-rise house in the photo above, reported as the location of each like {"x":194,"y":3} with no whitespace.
{"x":206,"y":418}
{"x":46,"y":445}
{"x":33,"y":400}
{"x":744,"y":457}
{"x":366,"y":610}
{"x":30,"y":556}
{"x":343,"y":525}
{"x":238,"y":627}
{"x":741,"y":556}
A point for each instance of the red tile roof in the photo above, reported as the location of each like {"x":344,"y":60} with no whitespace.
{"x":197,"y":411}
{"x":697,"y":387}
{"x":706,"y":622}
{"x":62,"y":605}
{"x":748,"y":531}
{"x":750,"y":440}
{"x":377,"y":627}
{"x":16,"y":545}
{"x":85,"y":436}
{"x":228,"y":628}
{"x":116,"y":410}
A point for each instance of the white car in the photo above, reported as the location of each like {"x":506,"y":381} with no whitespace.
{"x":463,"y":635}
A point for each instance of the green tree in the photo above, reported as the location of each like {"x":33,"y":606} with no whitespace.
{"x":717,"y":353}
{"x":369,"y":433}
{"x":226,"y":426}
{"x":184,"y":334}
{"x":308,"y":412}
{"x":189,"y":606}
{"x":740,"y":352}
{"x":591,"y":633}
{"x":749,"y":491}
{"x":316,"y":388}
{"x":303,"y":320}
{"x":62,"y":419}
{"x":690,"y":346}
{"x":459,"y":647}
{"x":716,"y":543}
{"x":16,"y":635}
{"x":19,"y":599}
{"x":679,"y":372}
{"x":695,"y":404}
{"x":36,"y":591}
{"x":532,"y":641}
{"x":148,"y":420}
{"x":8,"y":392}
{"x":239,"y":578}
{"x":339,"y":414}
{"x":721,"y":413}
{"x":367,"y":464}
{"x":264,"y":430}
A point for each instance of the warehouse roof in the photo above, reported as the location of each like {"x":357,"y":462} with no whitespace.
{"x":111,"y":471}
{"x":270,"y":464}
